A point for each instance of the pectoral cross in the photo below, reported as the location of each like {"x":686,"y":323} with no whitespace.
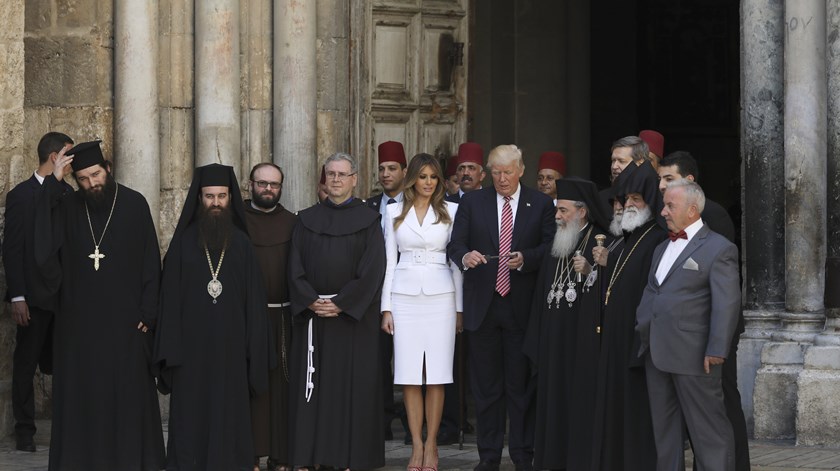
{"x":95,"y":256}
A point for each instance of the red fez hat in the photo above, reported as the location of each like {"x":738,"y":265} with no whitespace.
{"x":391,"y":151}
{"x":655,"y":141}
{"x":553,"y":160}
{"x":470,"y":152}
{"x":323,"y":180}
{"x":451,"y":166}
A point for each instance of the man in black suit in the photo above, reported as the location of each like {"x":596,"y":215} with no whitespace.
{"x":392,"y":163}
{"x":32,"y":302}
{"x":681,"y":164}
{"x":499,"y":237}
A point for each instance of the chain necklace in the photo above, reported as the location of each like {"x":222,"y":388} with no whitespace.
{"x":557,"y":292}
{"x":97,"y":255}
{"x":618,"y":272}
{"x":214,"y":287}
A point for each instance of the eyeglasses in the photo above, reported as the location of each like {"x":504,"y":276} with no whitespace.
{"x":340,"y":176}
{"x":262,"y":184}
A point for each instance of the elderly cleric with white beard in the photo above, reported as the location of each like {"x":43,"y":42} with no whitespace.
{"x":562,"y":340}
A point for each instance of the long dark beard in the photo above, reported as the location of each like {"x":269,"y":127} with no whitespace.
{"x":100,"y":198}
{"x":214,"y":228}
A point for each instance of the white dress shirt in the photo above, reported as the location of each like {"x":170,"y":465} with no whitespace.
{"x":674,"y":249}
{"x":383,"y":206}
{"x":514,"y":202}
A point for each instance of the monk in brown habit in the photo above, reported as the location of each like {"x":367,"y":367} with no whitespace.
{"x":270,"y":227}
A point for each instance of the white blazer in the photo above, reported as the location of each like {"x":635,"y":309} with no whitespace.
{"x":423,"y":265}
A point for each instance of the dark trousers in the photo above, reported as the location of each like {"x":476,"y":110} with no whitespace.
{"x":34,"y":347}
{"x":386,"y":354}
{"x":501,"y":382}
{"x":450,"y":423}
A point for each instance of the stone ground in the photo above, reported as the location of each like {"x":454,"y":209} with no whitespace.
{"x":766,"y":456}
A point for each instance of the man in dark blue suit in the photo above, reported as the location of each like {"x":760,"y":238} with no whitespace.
{"x":33,"y":304}
{"x":499,"y":236}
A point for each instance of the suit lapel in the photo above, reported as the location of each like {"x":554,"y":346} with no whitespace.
{"x":411,"y":221}
{"x":657,"y":258}
{"x":692,"y":246}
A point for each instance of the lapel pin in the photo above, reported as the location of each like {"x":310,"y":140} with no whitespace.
{"x":528,"y":204}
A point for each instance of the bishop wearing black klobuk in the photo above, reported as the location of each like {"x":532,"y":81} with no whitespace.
{"x":623,"y":436}
{"x":562,"y":339}
{"x":337,"y":253}
{"x":212,"y":342}
{"x":98,"y":249}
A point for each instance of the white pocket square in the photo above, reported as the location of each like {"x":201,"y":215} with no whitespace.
{"x":690,"y":264}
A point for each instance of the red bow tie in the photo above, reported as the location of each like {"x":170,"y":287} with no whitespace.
{"x":677,"y":235}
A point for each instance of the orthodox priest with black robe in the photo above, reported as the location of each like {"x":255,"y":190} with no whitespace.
{"x":212,"y":339}
{"x":623,"y":436}
{"x":98,"y":249}
{"x":336,"y":268}
{"x":562,"y":340}
{"x":270,"y":227}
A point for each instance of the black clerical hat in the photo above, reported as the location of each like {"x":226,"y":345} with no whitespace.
{"x":216,"y":175}
{"x":86,"y":154}
{"x":578,"y":189}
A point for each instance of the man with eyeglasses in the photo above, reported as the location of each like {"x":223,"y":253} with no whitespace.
{"x":270,"y":227}
{"x":336,"y":268}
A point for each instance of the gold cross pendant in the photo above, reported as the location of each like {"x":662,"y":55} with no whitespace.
{"x":96,"y":256}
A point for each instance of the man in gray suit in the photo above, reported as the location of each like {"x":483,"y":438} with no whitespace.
{"x":686,"y":320}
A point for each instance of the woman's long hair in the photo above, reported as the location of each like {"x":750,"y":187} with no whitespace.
{"x":438,"y":204}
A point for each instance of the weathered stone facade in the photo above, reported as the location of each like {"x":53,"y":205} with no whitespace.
{"x":172,"y":84}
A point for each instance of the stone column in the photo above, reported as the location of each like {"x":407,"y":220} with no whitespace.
{"x":818,"y":405}
{"x":831,"y":335}
{"x":257,"y":71}
{"x":217,"y":76}
{"x":805,"y":219}
{"x":136,"y":118}
{"x":762,"y":150}
{"x":15,"y":166}
{"x":295,"y":98}
{"x":177,"y":113}
{"x":805,"y":167}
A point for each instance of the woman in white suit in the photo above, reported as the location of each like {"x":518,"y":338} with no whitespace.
{"x":421,"y":301}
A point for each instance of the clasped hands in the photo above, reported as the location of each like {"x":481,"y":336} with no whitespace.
{"x":325,"y":308}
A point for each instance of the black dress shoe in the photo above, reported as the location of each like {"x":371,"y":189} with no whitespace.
{"x":28,"y":446}
{"x":447,"y":438}
{"x":487,"y":466}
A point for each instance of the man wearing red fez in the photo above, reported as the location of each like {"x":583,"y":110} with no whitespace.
{"x":656,"y":145}
{"x":552,"y":168}
{"x":470,"y":169}
{"x":392,"y":165}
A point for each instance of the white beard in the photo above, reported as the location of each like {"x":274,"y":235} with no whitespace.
{"x":615,"y":224}
{"x":634,"y":218}
{"x":566,"y":238}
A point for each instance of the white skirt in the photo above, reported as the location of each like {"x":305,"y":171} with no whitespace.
{"x":424,"y":327}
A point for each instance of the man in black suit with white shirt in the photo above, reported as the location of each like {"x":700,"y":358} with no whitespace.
{"x":33,"y":305}
{"x":686,"y":319}
{"x":499,"y":237}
